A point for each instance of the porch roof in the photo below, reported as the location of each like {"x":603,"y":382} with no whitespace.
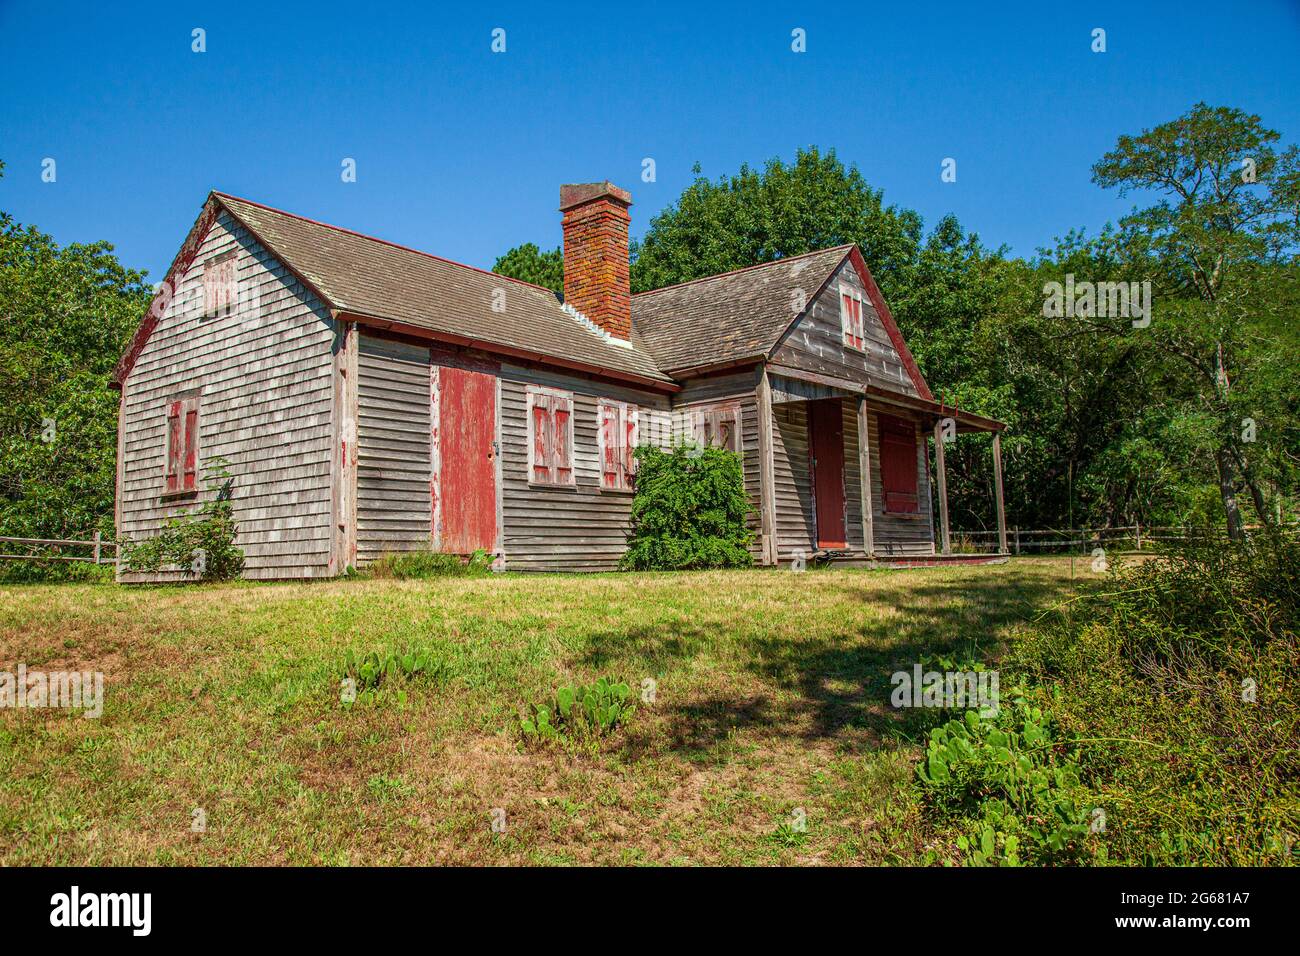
{"x":966,"y":421}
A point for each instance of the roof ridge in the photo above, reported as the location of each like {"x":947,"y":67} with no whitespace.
{"x":756,"y":265}
{"x":386,"y":242}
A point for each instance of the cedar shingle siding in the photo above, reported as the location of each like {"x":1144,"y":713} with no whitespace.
{"x":319,"y":385}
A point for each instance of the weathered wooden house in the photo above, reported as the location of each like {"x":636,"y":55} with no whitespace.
{"x":370,"y":398}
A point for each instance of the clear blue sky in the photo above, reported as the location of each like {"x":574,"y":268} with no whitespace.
{"x":461,"y":151}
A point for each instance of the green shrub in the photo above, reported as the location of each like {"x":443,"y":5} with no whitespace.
{"x":1010,"y":780}
{"x":430,"y":564}
{"x":200,"y":543}
{"x":1177,"y":684}
{"x":580,"y":712}
{"x":55,"y":572}
{"x":1207,"y":601}
{"x":689,"y":512}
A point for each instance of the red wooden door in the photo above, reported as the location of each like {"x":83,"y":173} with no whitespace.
{"x":826,"y":449}
{"x":466,"y":497}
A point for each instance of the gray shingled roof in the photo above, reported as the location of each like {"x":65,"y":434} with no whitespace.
{"x":731,"y":316}
{"x":371,"y":277}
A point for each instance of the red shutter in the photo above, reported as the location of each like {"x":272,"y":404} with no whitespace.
{"x":898,"y":465}
{"x":630,"y":439}
{"x":610,"y":458}
{"x":562,"y":410}
{"x":191,"y":467}
{"x":718,"y":427}
{"x":542,"y":440}
{"x":175,"y":444}
{"x":727,"y":430}
{"x":219,"y":286}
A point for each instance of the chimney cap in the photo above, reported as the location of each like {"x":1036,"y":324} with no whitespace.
{"x":577,"y":194}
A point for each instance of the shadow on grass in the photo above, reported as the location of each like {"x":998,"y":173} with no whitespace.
{"x":841,"y":680}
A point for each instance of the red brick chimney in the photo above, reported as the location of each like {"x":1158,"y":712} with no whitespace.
{"x":597,"y":279}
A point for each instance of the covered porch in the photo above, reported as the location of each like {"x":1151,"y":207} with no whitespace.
{"x":845,"y":473}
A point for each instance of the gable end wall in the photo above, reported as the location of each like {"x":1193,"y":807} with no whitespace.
{"x":266,"y":380}
{"x":815,"y":343}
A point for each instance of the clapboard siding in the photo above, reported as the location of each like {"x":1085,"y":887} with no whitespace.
{"x":896,"y":534}
{"x":795,"y":522}
{"x":852,"y":477}
{"x":393,"y":448}
{"x":815,"y":343}
{"x":795,"y":510}
{"x":580,"y":528}
{"x":266,"y":384}
{"x":741,"y":388}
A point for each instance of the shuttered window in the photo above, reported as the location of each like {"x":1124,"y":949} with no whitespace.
{"x":617,"y":434}
{"x":851,"y":317}
{"x":898,"y":465}
{"x":718,"y":426}
{"x":550,"y":437}
{"x":182,"y":474}
{"x":219,"y":292}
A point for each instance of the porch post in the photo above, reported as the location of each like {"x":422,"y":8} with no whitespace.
{"x":944,"y":537}
{"x":997,"y":492}
{"x":766,"y":469}
{"x":864,"y":474}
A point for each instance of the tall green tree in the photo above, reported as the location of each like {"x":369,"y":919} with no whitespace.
{"x":753,"y":216}
{"x":66,"y":315}
{"x":759,"y":215}
{"x":1228,"y":204}
{"x":529,"y":263}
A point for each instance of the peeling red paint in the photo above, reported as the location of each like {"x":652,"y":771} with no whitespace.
{"x":464,"y":492}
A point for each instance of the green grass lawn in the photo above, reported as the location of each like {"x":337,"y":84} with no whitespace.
{"x":772,"y":698}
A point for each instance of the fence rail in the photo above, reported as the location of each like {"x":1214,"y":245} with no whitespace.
{"x":1139,"y":536}
{"x":99,"y":549}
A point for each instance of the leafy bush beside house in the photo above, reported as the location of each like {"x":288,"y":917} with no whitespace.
{"x":201,"y":542}
{"x":689,"y":511}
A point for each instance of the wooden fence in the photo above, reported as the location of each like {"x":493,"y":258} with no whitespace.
{"x":53,"y":549}
{"x":1121,"y":539}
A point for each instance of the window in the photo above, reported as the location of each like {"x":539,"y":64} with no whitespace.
{"x":851,"y":318}
{"x":898,"y":465}
{"x":219,"y":291}
{"x":550,"y":437}
{"x":182,"y":446}
{"x":718,"y":426}
{"x":617,"y":433}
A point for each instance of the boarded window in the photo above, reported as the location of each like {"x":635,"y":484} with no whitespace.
{"x":617,"y":434}
{"x":718,"y":426}
{"x":182,"y":473}
{"x":851,"y":318}
{"x":898,"y":465}
{"x":550,"y":437}
{"x":219,"y":290}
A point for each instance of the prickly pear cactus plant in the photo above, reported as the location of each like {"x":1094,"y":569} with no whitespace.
{"x":579,"y":712}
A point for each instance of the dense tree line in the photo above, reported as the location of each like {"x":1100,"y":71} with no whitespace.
{"x":66,"y":315}
{"x":1186,"y":413}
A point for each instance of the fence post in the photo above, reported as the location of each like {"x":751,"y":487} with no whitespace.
{"x":1139,"y":535}
{"x":98,"y":543}
{"x":1017,"y":539}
